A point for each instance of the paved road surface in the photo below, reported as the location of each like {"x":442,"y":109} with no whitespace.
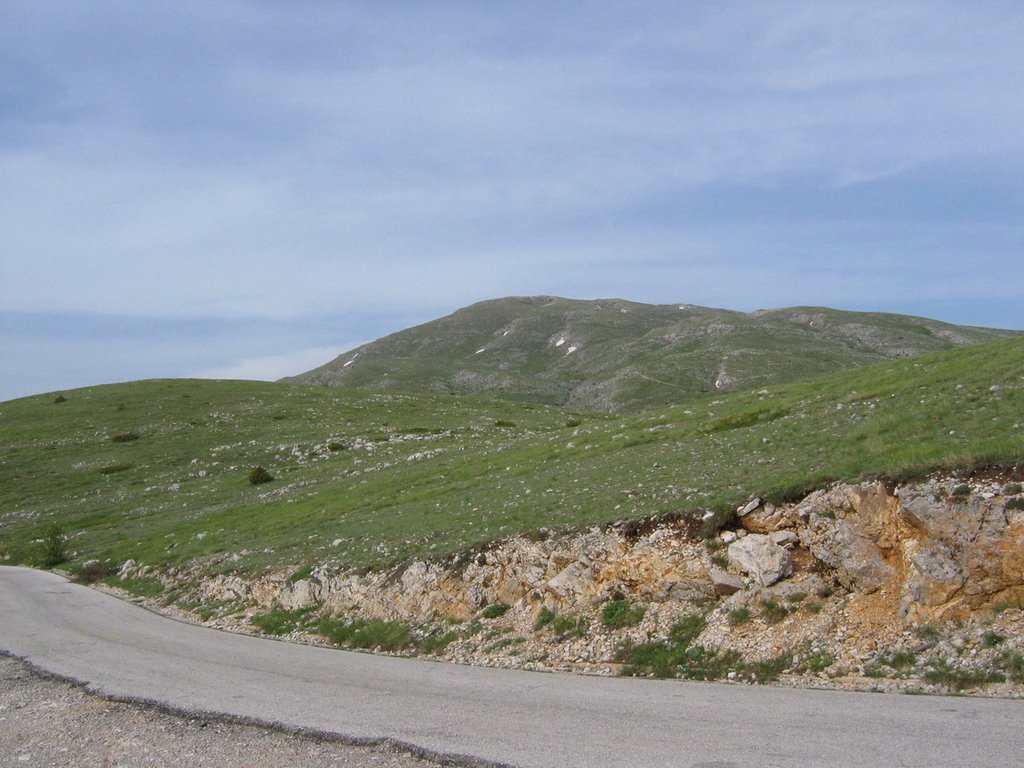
{"x":501,"y":716}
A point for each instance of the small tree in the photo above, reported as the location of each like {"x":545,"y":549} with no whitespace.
{"x":51,"y":549}
{"x":259,"y":475}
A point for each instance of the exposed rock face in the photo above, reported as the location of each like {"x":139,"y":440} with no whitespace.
{"x":966,"y":551}
{"x":850,"y":529}
{"x":872,"y":563}
{"x":760,"y":557}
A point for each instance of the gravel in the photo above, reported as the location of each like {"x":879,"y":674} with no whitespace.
{"x":50,"y":722}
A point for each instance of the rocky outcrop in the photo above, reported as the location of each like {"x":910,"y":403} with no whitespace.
{"x":936,"y":550}
{"x":859,"y":576}
{"x":761,"y":558}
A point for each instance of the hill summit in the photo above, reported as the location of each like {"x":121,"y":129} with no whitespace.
{"x":616,"y":355}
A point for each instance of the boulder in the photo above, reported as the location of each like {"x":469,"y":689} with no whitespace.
{"x":725,"y":583}
{"x":760,"y":557}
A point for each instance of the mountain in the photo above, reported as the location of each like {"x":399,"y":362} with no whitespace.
{"x":615,"y":355}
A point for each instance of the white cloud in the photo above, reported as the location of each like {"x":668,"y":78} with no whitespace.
{"x":274,"y":367}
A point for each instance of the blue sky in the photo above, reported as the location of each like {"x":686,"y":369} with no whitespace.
{"x":245,"y":189}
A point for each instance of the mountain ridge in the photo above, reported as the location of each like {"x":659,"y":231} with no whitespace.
{"x":619,"y":355}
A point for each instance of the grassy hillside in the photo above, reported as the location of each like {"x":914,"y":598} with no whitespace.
{"x":620,"y":356}
{"x":159,"y":471}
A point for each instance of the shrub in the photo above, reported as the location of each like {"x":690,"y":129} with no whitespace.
{"x":494,"y":611}
{"x":962,"y":490}
{"x":991,"y":639}
{"x":739,"y":615}
{"x":1012,"y":663}
{"x":504,"y":423}
{"x":772,"y":612}
{"x":687,"y":629}
{"x":52,"y":549}
{"x":60,"y":399}
{"x":545,"y":617}
{"x":113,"y":469}
{"x":1012,"y":489}
{"x":259,"y":475}
{"x":621,"y":613}
{"x":942,"y":673}
{"x":280,"y":621}
{"x":1015,"y":503}
{"x":436,"y":642}
{"x":568,"y":625}
{"x":367,"y":633}
{"x":124,"y":437}
{"x":900,"y":661}
{"x":769,"y":671}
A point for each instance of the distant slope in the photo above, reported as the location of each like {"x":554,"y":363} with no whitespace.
{"x":615,"y":355}
{"x":159,"y":471}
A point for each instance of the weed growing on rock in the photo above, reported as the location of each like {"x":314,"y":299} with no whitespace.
{"x":282,"y":622}
{"x":621,"y":613}
{"x":494,"y":611}
{"x":739,"y":615}
{"x":773,"y":612}
{"x":367,"y":633}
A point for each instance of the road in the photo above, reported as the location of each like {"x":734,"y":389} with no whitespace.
{"x":483,"y":715}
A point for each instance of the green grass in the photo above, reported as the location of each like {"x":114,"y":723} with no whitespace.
{"x":432,"y":476}
{"x":494,"y":611}
{"x":282,"y":622}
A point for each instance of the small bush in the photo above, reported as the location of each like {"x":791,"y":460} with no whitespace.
{"x":1017,"y":502}
{"x":773,"y":612}
{"x":1012,"y":489}
{"x":113,"y":469}
{"x":281,"y":622}
{"x":1012,"y":663}
{"x":125,"y":437}
{"x":899,"y":660}
{"x":739,"y":615}
{"x":505,"y":423}
{"x":60,"y":399}
{"x":494,"y":611}
{"x":687,"y":629}
{"x":621,"y":613}
{"x":720,"y":560}
{"x":52,"y":550}
{"x":769,"y":671}
{"x":436,"y":642}
{"x":942,"y":673}
{"x":572,"y":422}
{"x":334,"y":446}
{"x":568,"y":625}
{"x":367,"y":633}
{"x":961,"y":490}
{"x":259,"y":475}
{"x":991,"y":639}
{"x":819,"y":661}
{"x":545,"y":617}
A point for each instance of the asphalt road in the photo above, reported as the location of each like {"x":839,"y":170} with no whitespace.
{"x":488,"y":715}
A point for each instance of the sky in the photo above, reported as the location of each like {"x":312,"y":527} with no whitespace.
{"x":247,"y":189}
